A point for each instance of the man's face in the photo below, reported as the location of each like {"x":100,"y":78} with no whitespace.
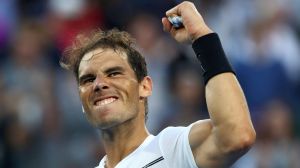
{"x":108,"y":88}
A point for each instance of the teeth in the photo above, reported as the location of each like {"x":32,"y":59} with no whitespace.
{"x":105,"y":101}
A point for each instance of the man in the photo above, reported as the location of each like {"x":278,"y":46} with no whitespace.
{"x":114,"y":86}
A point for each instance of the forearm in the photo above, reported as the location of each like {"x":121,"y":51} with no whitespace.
{"x":225,"y":101}
{"x":228,"y":111}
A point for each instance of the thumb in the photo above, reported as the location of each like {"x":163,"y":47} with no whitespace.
{"x":166,"y":24}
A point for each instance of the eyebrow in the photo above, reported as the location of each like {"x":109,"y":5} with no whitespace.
{"x":114,"y":69}
{"x":107,"y":71}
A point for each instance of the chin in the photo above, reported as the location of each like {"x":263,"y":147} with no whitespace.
{"x":103,"y":122}
{"x":107,"y":118}
{"x":105,"y":125}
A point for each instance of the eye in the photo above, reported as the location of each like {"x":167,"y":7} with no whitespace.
{"x":112,"y":74}
{"x":88,"y":80}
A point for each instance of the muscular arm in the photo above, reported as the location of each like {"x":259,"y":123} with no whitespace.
{"x":229,"y":133}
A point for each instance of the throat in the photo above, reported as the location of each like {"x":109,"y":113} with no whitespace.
{"x":118,"y":145}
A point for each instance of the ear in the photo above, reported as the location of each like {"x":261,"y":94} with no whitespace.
{"x":145,"y":87}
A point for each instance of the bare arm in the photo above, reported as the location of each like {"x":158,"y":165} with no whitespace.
{"x":229,"y":133}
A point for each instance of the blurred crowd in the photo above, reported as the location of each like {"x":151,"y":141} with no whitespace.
{"x":41,"y":120}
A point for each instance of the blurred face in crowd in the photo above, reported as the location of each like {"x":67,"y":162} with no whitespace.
{"x":109,"y":89}
{"x":28,"y":47}
{"x":188,"y":87}
{"x":280,"y":123}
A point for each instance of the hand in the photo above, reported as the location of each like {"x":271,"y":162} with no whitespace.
{"x":194,"y":25}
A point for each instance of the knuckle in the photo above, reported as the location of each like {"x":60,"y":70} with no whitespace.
{"x":187,"y":3}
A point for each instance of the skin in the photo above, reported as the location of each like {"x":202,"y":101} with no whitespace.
{"x":215,"y":142}
{"x":105,"y":73}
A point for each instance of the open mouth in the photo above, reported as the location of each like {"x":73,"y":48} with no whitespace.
{"x":102,"y":102}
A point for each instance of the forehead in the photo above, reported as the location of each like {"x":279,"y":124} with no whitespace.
{"x":102,"y":58}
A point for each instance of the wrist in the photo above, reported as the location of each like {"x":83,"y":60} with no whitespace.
{"x":210,"y":53}
{"x":202,"y":32}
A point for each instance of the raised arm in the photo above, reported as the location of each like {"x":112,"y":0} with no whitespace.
{"x":228,"y":134}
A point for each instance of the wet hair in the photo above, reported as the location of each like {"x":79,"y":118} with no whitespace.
{"x":110,"y":39}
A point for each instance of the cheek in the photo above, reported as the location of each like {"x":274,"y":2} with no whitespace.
{"x":128,"y":90}
{"x":84,"y":89}
{"x":83,"y":93}
{"x":131,"y":89}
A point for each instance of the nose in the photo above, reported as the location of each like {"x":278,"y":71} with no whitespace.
{"x":100,"y":84}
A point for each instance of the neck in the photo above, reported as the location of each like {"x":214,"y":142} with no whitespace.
{"x":123,"y":139}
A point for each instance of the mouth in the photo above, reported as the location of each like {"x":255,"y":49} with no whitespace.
{"x":105,"y":101}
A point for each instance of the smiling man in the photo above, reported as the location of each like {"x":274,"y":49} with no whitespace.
{"x":114,"y":86}
{"x":109,"y":88}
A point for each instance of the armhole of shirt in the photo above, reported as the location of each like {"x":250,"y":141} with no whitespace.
{"x":188,"y":150}
{"x":175,"y":147}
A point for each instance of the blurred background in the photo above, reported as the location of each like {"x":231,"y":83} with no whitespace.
{"x":41,"y":121}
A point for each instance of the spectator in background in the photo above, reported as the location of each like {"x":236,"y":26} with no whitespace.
{"x":262,"y":77}
{"x":187,"y":93}
{"x":35,"y":109}
{"x":68,"y":18}
{"x":276,"y":146}
{"x":28,"y":95}
{"x":280,"y":38}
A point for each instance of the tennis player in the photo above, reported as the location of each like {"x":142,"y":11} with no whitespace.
{"x":114,"y":86}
